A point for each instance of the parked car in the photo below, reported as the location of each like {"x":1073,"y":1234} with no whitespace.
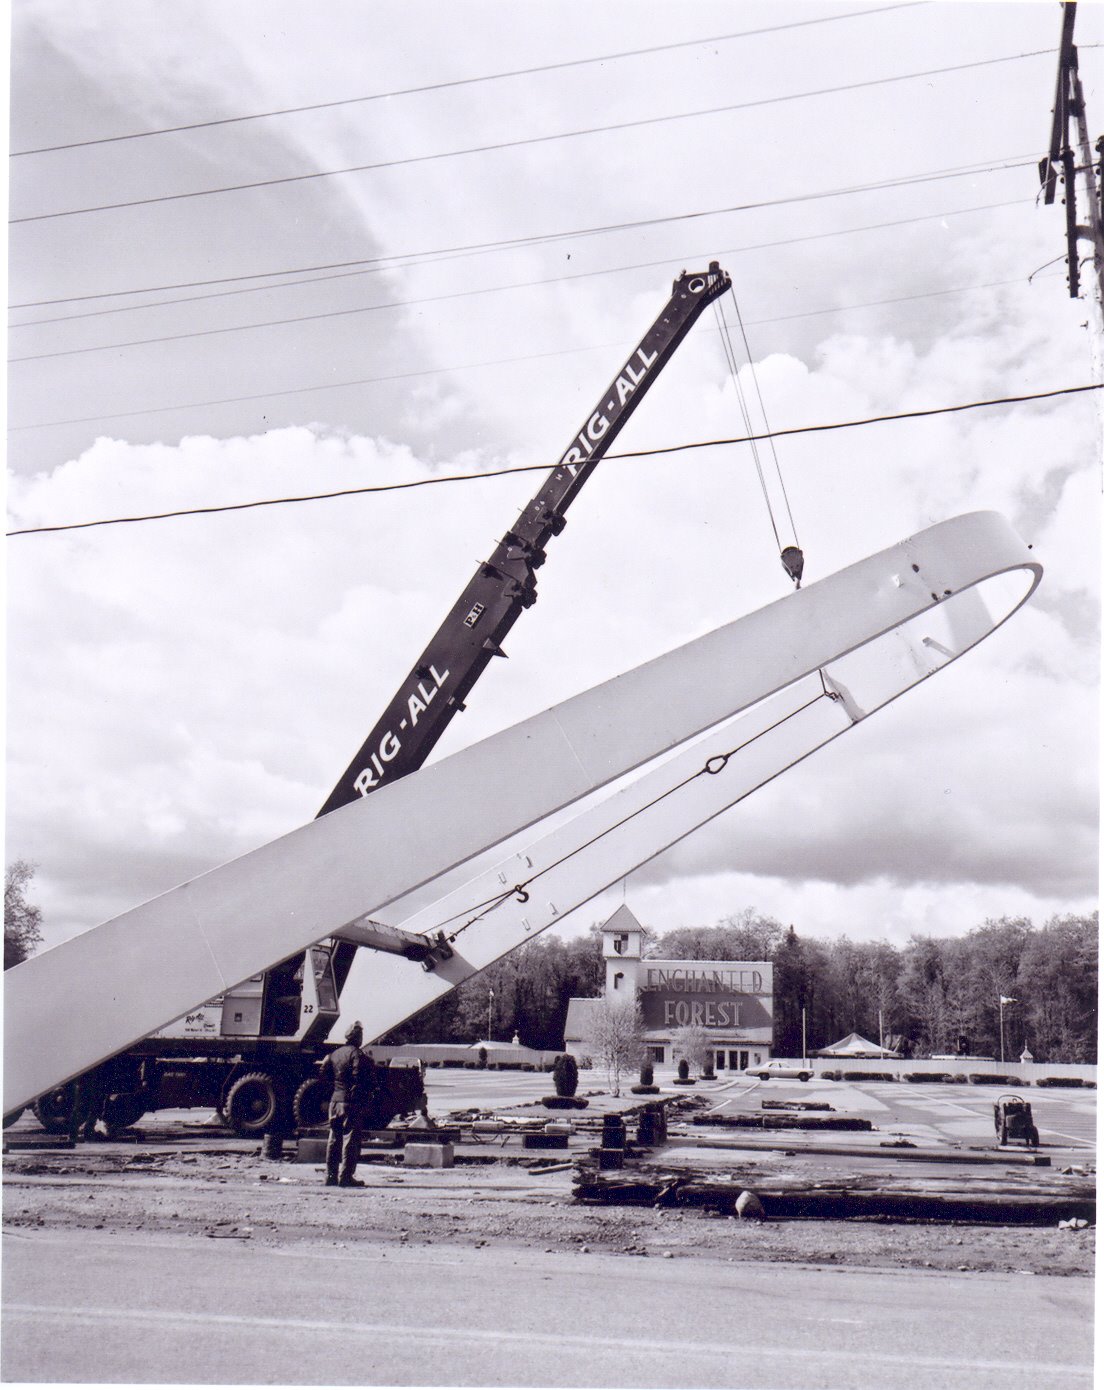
{"x":782,"y":1068}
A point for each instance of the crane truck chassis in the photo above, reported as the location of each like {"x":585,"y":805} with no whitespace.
{"x":257,"y":1084}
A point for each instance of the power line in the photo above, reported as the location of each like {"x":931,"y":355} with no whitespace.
{"x":368,"y":308}
{"x":491,"y":289}
{"x":495,"y":362}
{"x":462,"y":81}
{"x":400,"y":259}
{"x":543,"y":467}
{"x":524,"y":142}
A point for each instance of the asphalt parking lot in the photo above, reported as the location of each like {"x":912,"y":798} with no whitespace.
{"x":929,"y":1114}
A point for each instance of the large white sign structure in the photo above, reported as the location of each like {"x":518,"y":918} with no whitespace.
{"x":749,"y":699}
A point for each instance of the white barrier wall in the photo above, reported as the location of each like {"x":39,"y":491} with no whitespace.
{"x":1026,"y":1073}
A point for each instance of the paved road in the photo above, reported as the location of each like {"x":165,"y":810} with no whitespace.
{"x":931,"y":1114}
{"x":116,"y":1308}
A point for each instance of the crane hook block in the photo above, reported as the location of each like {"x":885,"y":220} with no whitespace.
{"x":793,"y":562}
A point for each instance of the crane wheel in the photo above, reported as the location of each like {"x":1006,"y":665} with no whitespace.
{"x":311,"y":1104}
{"x":124,"y":1109}
{"x":252,"y":1104}
{"x":53,"y":1110}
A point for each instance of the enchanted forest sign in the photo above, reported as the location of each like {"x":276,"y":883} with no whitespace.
{"x":730,"y":996}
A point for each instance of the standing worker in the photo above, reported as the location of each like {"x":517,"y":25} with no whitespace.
{"x":87,"y":1108}
{"x":343,"y":1068}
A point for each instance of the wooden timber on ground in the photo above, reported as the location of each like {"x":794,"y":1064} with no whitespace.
{"x":905,"y":1152}
{"x":783,"y":1121}
{"x":1009,"y":1199}
{"x":796,"y":1105}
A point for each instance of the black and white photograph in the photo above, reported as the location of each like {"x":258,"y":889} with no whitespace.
{"x":552,"y":689}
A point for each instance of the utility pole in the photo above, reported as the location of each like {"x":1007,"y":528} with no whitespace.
{"x":1070,"y":156}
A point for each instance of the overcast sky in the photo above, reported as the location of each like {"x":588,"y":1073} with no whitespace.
{"x":181,"y":691}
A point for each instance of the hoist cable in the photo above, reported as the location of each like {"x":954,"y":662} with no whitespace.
{"x":763,"y":411}
{"x":712,"y":766}
{"x":730,"y":355}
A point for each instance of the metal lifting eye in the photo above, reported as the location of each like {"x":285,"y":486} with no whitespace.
{"x":522,"y":895}
{"x":716,"y":764}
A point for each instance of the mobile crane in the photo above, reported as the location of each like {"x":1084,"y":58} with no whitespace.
{"x":251,"y":1051}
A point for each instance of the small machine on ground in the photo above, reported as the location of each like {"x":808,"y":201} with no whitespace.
{"x":1012,"y":1120}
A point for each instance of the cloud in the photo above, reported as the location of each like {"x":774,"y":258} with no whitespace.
{"x":181,"y":691}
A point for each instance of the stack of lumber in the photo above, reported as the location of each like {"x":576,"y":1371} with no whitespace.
{"x":999,"y":1198}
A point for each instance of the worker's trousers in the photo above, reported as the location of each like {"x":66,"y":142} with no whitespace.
{"x":343,"y":1145}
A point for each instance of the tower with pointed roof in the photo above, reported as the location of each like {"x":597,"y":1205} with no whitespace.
{"x":623,"y":950}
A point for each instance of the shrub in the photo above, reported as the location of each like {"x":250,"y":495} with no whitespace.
{"x":565,"y":1075}
{"x":927,"y":1076}
{"x":565,"y":1103}
{"x":683,"y":1069}
{"x":1060,"y":1081}
{"x":986,"y":1078}
{"x":647,"y":1073}
{"x":482,"y":1054}
{"x":833,"y":1075}
{"x":644,"y":1090}
{"x":860,"y":1075}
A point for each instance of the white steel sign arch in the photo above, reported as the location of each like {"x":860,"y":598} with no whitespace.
{"x":86,"y":1000}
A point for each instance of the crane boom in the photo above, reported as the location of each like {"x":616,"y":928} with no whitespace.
{"x":476,"y":625}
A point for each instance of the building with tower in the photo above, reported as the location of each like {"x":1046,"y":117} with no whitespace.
{"x":733,"y":1001}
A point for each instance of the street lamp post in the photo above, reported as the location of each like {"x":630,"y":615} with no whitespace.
{"x":1003,"y":1000}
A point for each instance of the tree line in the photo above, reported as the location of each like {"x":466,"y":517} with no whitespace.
{"x":933,"y":995}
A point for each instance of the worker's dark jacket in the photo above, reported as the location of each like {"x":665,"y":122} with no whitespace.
{"x":344,"y":1067}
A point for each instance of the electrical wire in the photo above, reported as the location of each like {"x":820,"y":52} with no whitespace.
{"x":543,"y":467}
{"x":401,"y":260}
{"x":463,"y":81}
{"x":272,"y":394}
{"x":521,"y":142}
{"x":361,"y":309}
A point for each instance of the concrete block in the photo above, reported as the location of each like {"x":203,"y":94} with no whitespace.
{"x":544,"y":1141}
{"x":310,"y":1150}
{"x":422,"y":1155}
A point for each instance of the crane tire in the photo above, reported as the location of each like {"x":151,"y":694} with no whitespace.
{"x":124,"y":1109}
{"x":310,"y":1107}
{"x":54,"y":1109}
{"x":1033,"y":1137}
{"x":252,"y":1104}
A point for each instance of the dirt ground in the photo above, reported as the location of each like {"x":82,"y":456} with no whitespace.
{"x":503,"y":1197}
